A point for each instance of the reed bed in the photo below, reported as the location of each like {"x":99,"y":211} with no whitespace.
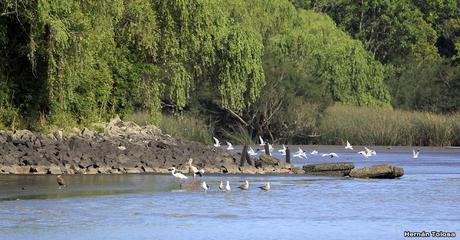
{"x":385,"y":126}
{"x":187,"y":126}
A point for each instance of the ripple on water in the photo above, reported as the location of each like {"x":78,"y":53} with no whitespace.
{"x":226,"y":216}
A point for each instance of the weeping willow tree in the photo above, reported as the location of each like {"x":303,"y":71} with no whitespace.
{"x":70,"y":62}
{"x":92,"y":59}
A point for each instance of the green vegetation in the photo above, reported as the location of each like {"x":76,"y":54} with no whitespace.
{"x":387,"y":127}
{"x":187,"y":126}
{"x":245,"y":68}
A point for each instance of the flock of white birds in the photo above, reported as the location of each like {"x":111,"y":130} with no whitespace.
{"x":300,"y":153}
{"x":366,"y":153}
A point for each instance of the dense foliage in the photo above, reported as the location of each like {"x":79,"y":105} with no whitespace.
{"x":268,"y":67}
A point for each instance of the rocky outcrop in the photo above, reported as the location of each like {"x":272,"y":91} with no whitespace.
{"x":267,"y":160}
{"x":329,"y":169}
{"x":378,"y":171}
{"x":119,"y":147}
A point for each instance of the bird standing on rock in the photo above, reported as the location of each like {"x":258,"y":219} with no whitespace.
{"x":60,"y":181}
{"x":216,"y":142}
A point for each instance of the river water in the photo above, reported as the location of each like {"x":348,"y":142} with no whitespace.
{"x":147,"y":206}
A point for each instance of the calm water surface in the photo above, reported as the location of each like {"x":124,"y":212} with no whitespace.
{"x":298,"y":207}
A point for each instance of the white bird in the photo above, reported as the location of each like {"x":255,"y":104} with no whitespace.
{"x":229,"y":146}
{"x":177,"y":175}
{"x":314,"y":152}
{"x":370,"y":151}
{"x":270,"y":147}
{"x":283,"y":150}
{"x":415,"y":153}
{"x":349,"y":146}
{"x":221,"y":186}
{"x":301,"y":154}
{"x":331,"y":155}
{"x":122,"y":148}
{"x":364,"y":154}
{"x":251,"y":152}
{"x":227,"y":187}
{"x":205,"y":186}
{"x":216,"y":142}
{"x":245,"y":186}
{"x":265,"y":187}
{"x":261,"y":140}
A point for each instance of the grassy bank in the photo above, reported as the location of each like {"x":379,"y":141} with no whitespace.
{"x":336,"y":125}
{"x":383,"y":126}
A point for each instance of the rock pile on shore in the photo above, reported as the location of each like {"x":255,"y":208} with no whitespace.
{"x":123,"y":147}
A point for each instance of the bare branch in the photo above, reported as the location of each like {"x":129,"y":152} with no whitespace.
{"x":236,"y":116}
{"x":7,"y":13}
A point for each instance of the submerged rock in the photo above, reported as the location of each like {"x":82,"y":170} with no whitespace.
{"x":378,"y":171}
{"x":329,"y":169}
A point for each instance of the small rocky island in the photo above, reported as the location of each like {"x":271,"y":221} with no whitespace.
{"x":125,"y":147}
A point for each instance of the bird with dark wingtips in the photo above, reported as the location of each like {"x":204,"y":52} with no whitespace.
{"x":265,"y":187}
{"x":60,"y":181}
{"x":245,"y":186}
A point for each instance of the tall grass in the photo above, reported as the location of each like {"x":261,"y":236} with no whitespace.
{"x":187,"y":126}
{"x":384,"y":126}
{"x":9,"y":117}
{"x":239,"y":135}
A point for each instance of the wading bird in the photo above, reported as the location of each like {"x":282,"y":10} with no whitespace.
{"x":245,"y":185}
{"x":205,"y":186}
{"x":60,"y":181}
{"x":194,"y":170}
{"x":331,"y":155}
{"x":229,"y":146}
{"x":349,"y":146}
{"x":265,"y":187}
{"x":216,"y":142}
{"x":178,"y":175}
{"x":221,"y":186}
{"x":227,"y":187}
{"x":415,"y":153}
{"x":314,"y":152}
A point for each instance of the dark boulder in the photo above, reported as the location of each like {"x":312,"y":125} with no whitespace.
{"x":267,"y":160}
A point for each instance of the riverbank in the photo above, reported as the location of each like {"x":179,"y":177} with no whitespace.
{"x":125,"y":147}
{"x":122,"y":147}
